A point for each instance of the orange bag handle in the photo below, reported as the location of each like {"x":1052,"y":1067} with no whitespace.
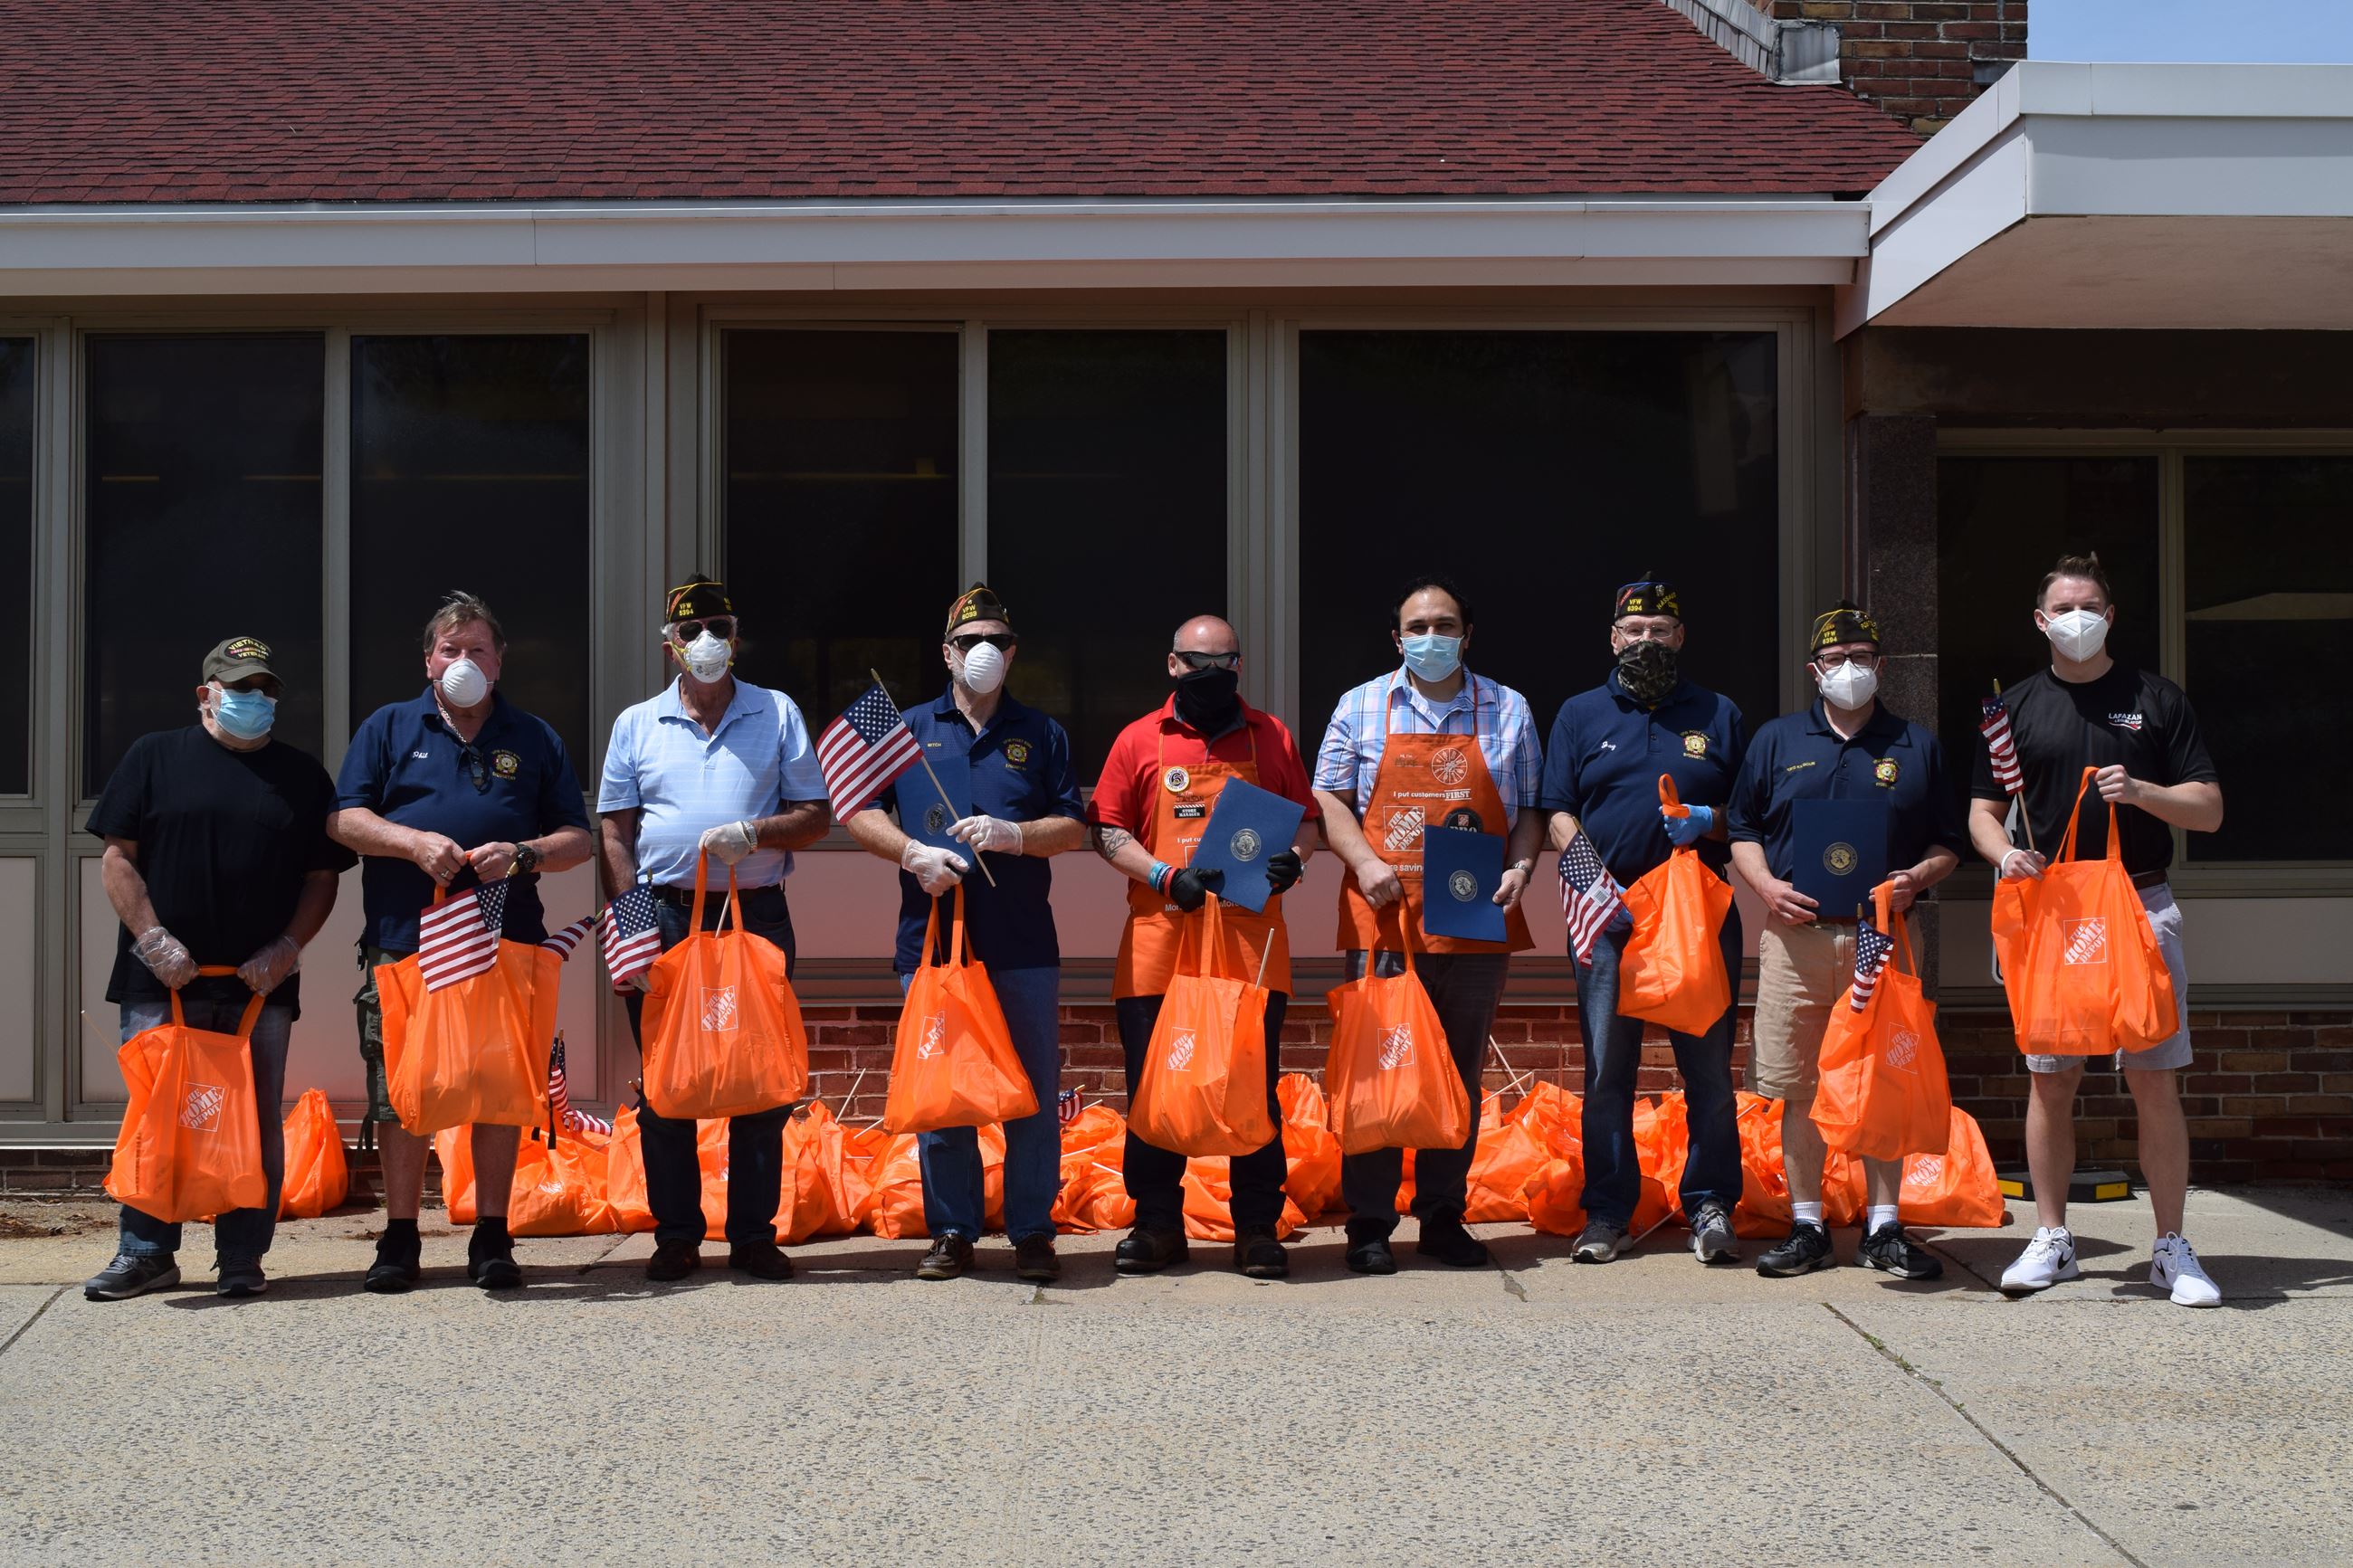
{"x":252,"y":1008}
{"x":2075,"y":818}
{"x":1670,"y":801}
{"x":1405,"y":940}
{"x":1198,"y":940}
{"x":733,"y":906}
{"x":1900,"y":929}
{"x":954,"y":896}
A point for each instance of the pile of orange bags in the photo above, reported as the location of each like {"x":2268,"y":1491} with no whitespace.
{"x":318,"y":1173}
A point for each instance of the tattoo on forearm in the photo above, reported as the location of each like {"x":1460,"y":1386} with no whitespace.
{"x":1110,"y":841}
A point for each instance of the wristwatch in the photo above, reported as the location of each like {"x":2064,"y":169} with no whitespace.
{"x":1525,"y":867}
{"x":526,"y":860}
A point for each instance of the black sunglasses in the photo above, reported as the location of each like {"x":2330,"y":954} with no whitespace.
{"x":1001,"y":641}
{"x":721,"y":626}
{"x":476,"y":769}
{"x":1211,"y":660}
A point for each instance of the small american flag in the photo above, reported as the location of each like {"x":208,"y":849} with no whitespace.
{"x":459,"y":938}
{"x":632,"y":939}
{"x":1871,"y":949}
{"x":563,"y":943}
{"x":1066,"y":1106}
{"x":559,"y":1099}
{"x":865,"y":750}
{"x":1590,"y":896}
{"x":1999,"y":745}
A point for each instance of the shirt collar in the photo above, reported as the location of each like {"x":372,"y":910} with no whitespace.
{"x":1468,"y":695}
{"x":430,"y":710}
{"x":1009,"y":708}
{"x":1880,"y":725}
{"x":670,"y":705}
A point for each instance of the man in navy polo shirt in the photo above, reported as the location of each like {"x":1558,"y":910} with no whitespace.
{"x":1025,"y":807}
{"x":457,"y":782}
{"x":1601,"y":771}
{"x":1846,"y":746}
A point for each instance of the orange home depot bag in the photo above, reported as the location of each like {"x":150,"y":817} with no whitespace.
{"x":475,"y":1050}
{"x":896,"y":1172}
{"x":1310,"y":1155}
{"x":722,"y":1028}
{"x":1955,"y":1190}
{"x":826,"y":1190}
{"x":1209,"y":1194}
{"x":1390,"y":1078}
{"x":954,"y":1064}
{"x":557,"y":1191}
{"x":1671,"y":972}
{"x":191,"y":1140}
{"x":1882,"y":1093}
{"x":624,"y":1175}
{"x":318,"y":1173}
{"x":2079,"y":958}
{"x":1764,"y":1205}
{"x":1095,"y":1192}
{"x":1510,"y":1151}
{"x":1203,"y":1088}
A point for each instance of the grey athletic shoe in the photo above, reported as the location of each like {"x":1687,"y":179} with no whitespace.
{"x":132,"y":1274}
{"x":1712,"y":1240}
{"x":240,"y":1278}
{"x":1600,"y":1242}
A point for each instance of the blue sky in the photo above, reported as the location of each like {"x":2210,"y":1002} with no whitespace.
{"x":2190,"y":30}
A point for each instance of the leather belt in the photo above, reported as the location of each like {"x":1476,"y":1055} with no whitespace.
{"x":2149,"y":880}
{"x":683,"y":898}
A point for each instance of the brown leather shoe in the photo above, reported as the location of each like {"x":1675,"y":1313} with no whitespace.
{"x":949,"y":1257}
{"x":1033,"y":1258}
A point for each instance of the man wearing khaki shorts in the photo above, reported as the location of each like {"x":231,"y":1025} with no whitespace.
{"x":1846,"y":746}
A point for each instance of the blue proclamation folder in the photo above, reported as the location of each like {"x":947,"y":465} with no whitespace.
{"x":1460,"y":869}
{"x":1248,"y":824}
{"x":1840,"y":847}
{"x":925,"y":814}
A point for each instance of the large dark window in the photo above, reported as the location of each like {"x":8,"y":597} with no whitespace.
{"x":1538,"y":471}
{"x":1107,"y":513}
{"x":841,"y":508}
{"x":2001,"y":524}
{"x":203,"y":515}
{"x":17,"y":359}
{"x":2268,"y":570}
{"x":469,"y":469}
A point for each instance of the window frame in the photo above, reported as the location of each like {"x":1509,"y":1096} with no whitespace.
{"x":2191,"y":877}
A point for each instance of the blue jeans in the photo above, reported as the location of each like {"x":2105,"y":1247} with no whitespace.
{"x":755,"y":1144}
{"x":241,"y":1236}
{"x":1613,"y":1053}
{"x":954,"y":1204}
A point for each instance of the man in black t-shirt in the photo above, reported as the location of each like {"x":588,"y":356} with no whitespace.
{"x":2136,"y":729}
{"x":217,"y":856}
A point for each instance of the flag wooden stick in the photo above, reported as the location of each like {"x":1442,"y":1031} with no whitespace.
{"x":935,"y":778}
{"x":1263,"y":954}
{"x":2024,"y":820}
{"x":1519,"y":1079}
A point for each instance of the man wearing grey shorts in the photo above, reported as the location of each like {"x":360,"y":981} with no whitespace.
{"x":2136,"y":728}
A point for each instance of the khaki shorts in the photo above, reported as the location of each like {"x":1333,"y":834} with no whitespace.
{"x":2165,"y":919}
{"x":1801,"y":972}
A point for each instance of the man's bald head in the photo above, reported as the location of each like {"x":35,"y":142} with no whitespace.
{"x":1206,"y":634}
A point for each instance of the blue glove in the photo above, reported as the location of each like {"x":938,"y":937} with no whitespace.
{"x":1682,"y":830}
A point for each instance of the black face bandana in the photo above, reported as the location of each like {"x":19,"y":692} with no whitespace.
{"x":1206,"y":700}
{"x":1647,"y":670}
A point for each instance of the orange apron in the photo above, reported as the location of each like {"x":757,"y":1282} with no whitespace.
{"x":1422,"y":779}
{"x":1184,"y":797}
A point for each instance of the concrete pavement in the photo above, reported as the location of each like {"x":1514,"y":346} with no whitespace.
{"x":1650,"y":1411}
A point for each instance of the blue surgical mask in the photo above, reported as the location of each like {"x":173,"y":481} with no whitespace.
{"x":247,"y":715}
{"x":1433,"y":656}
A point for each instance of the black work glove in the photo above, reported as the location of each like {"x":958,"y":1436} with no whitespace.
{"x":1188,"y":889}
{"x":1283,"y":870}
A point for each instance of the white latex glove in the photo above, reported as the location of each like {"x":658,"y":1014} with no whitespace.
{"x":729,"y":842}
{"x":169,"y":962}
{"x":935,"y":870}
{"x":266,"y":971}
{"x":989,"y":833}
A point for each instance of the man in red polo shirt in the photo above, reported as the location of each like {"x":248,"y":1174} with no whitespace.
{"x":1159,"y":784}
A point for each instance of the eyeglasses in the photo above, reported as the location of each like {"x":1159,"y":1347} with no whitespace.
{"x":1648,"y":631}
{"x":1860,"y":660}
{"x":471,"y":757}
{"x":721,"y":626}
{"x":1211,"y":660}
{"x":1001,"y":641}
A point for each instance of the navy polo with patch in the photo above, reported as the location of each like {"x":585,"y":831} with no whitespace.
{"x":1021,"y":773}
{"x":408,"y":767}
{"x":1604,"y":754}
{"x":1799,"y":756}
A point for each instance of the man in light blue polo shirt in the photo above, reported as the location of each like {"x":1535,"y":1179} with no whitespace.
{"x":719,"y":765}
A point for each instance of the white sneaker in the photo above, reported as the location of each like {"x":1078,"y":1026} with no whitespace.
{"x":2176,"y":1267}
{"x":2047,"y":1258}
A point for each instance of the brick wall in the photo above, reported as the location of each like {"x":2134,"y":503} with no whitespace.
{"x":1919,"y":59}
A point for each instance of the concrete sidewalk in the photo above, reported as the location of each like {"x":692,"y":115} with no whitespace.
{"x":1650,"y":1411}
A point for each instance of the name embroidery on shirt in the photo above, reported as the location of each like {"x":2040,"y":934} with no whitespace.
{"x":1797,"y":767}
{"x":2125,"y":720}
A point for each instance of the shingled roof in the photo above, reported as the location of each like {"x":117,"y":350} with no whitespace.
{"x":479,"y":100}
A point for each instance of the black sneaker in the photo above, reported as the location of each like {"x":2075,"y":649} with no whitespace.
{"x":1712,"y":1239}
{"x":1444,"y":1237}
{"x":1807,"y":1248}
{"x":490,"y":1257}
{"x":1888,"y":1248}
{"x":950,"y":1255}
{"x":395,"y":1265}
{"x":1033,"y":1258}
{"x":1371,"y":1256}
{"x":673,"y":1261}
{"x":1260,"y":1255}
{"x":132,"y":1274}
{"x":761,"y":1260}
{"x":1143,"y":1251}
{"x":240,"y":1278}
{"x":1599,"y":1242}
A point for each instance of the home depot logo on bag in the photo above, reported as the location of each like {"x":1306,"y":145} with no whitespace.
{"x":2087,"y":942}
{"x":719,"y":1009}
{"x":1924,"y":1170}
{"x":1180,"y":1051}
{"x":1902,"y":1046}
{"x":200,"y":1112}
{"x":935,"y":1034}
{"x":1397,"y":1048}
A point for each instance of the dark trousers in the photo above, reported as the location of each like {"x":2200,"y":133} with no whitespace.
{"x":755,"y":1144}
{"x":1465,"y":987}
{"x":1155,"y":1176}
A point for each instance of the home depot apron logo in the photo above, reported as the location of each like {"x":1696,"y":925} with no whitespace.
{"x":1397,"y":1048}
{"x":2087,"y":942}
{"x":1180,"y":1050}
{"x":1450,"y":766}
{"x":935,"y":1034}
{"x":1901,"y":1047}
{"x":1924,"y":1170}
{"x":1405,"y":829}
{"x":200,"y":1112}
{"x":719,"y":1009}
